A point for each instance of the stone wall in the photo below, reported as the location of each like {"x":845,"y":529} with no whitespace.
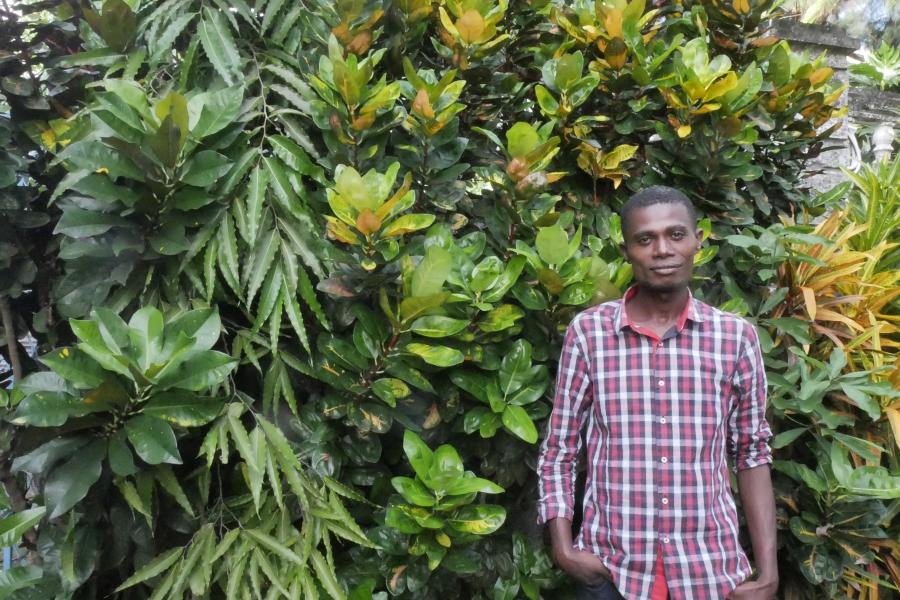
{"x":825,"y":169}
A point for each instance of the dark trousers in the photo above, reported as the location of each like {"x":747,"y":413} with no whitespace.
{"x":604,"y":590}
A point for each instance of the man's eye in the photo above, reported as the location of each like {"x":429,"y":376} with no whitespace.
{"x":643,"y":241}
{"x":678,"y":235}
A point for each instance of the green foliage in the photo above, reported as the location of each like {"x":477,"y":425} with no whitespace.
{"x":881,"y":69}
{"x":395,"y":209}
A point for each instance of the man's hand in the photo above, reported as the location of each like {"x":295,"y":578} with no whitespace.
{"x":754,"y":590}
{"x":583,"y":566}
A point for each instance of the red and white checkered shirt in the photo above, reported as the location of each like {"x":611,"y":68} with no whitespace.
{"x":661,"y":416}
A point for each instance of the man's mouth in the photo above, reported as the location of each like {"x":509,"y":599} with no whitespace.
{"x":666,"y":269}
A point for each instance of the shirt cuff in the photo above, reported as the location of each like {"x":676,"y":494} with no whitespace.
{"x":547,"y":511}
{"x":749,"y":462}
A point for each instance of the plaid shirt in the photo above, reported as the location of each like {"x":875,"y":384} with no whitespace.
{"x":660,"y":415}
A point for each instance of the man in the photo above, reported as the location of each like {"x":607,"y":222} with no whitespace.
{"x":667,"y":387}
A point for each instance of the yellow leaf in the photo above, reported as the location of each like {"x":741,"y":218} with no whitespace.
{"x":810,"y":297}
{"x":339,"y":231}
{"x":684,"y":131}
{"x":742,"y":6}
{"x":706,"y":108}
{"x":722,"y":86}
{"x":824,"y":314}
{"x":613,"y":23}
{"x":470,"y":26}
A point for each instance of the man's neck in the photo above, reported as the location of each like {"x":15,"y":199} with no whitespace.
{"x":655,"y":306}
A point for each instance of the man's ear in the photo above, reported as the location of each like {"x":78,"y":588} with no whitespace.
{"x":699,"y":235}
{"x":624,"y":252}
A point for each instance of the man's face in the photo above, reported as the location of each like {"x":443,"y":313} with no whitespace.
{"x":661,"y":243}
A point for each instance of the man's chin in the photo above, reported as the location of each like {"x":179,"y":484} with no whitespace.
{"x":663,"y":287}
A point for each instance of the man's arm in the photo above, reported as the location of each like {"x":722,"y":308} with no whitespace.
{"x":758,"y":502}
{"x":581,"y":565}
{"x":556,"y":464}
{"x":749,"y":444}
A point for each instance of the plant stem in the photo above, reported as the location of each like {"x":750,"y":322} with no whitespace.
{"x":6,"y":315}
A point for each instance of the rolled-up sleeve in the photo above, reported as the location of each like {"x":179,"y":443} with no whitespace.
{"x":749,"y":432}
{"x":559,"y":450}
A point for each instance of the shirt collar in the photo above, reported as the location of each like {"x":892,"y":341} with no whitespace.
{"x":691,"y":311}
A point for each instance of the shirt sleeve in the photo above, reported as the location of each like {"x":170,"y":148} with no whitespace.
{"x":749,"y":433}
{"x":559,"y":450}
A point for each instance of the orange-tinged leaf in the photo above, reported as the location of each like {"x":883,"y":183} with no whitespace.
{"x":764,"y":42}
{"x":742,"y":6}
{"x":470,"y":26}
{"x":422,"y":105}
{"x":367,"y":223}
{"x":385,"y":209}
{"x":820,"y":75}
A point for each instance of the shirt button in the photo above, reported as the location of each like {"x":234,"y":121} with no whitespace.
{"x":665,"y":500}
{"x":665,"y":539}
{"x":662,"y":420}
{"x":661,"y":383}
{"x":664,"y":459}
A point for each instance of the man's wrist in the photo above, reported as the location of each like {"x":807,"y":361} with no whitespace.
{"x":768,"y":576}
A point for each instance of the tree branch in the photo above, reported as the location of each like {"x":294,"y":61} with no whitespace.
{"x":6,"y":315}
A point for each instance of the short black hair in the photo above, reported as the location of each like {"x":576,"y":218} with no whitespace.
{"x":656,"y":194}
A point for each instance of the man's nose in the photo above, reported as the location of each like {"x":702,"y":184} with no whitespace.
{"x":662,"y":247}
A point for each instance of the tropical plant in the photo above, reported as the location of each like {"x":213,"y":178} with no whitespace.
{"x":880,"y":69}
{"x":345,"y":234}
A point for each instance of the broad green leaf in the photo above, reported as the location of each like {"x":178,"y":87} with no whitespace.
{"x":439,"y":356}
{"x":42,"y":459}
{"x":418,"y":453}
{"x":470,"y":485}
{"x":183,"y":408}
{"x":69,"y":482}
{"x":413,"y":491}
{"x":431,"y":273}
{"x":480,"y":519}
{"x":390,"y":390}
{"x":552,"y":245}
{"x":120,"y":458}
{"x":145,"y":330}
{"x":502,"y":317}
{"x":48,"y":409}
{"x":205,"y":168}
{"x":517,"y":421}
{"x":201,"y":372}
{"x":153,"y":440}
{"x":438,"y":326}
{"x":13,"y":526}
{"x":521,"y":139}
{"x":412,"y":307}
{"x":568,"y":69}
